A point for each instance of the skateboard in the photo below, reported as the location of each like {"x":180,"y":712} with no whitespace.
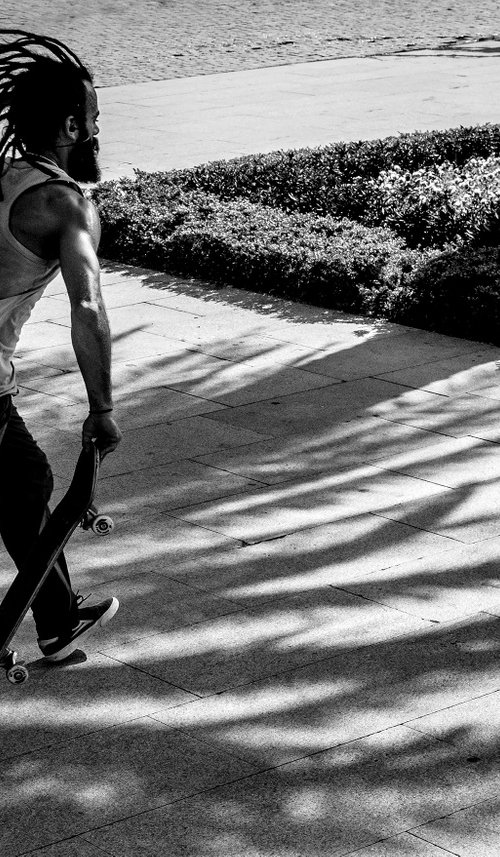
{"x":75,"y":508}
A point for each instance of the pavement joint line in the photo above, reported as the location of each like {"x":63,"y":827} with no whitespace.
{"x":408,"y":832}
{"x":287,"y":533}
{"x":420,"y":428}
{"x":43,"y":747}
{"x":382,"y":604}
{"x":445,"y":627}
{"x":107,"y":654}
{"x":204,"y":741}
{"x":411,"y":832}
{"x":468,"y":486}
{"x":409,"y":386}
{"x":424,"y":429}
{"x":453,"y":705}
{"x":425,"y":530}
{"x":457,"y":811}
{"x":447,"y":741}
{"x":251,"y":481}
{"x":199,"y":591}
{"x":222,"y":469}
{"x":151,"y":809}
{"x":242,"y":778}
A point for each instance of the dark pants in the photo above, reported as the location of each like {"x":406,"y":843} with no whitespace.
{"x":26,"y":484}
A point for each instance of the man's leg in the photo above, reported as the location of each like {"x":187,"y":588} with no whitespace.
{"x":27,"y":484}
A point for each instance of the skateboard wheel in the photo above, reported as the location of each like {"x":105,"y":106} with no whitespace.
{"x":102,"y":525}
{"x":17,"y":674}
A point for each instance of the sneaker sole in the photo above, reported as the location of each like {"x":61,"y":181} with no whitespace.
{"x":68,"y":650}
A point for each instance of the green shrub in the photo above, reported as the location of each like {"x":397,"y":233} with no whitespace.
{"x":438,"y":204}
{"x":456,"y":291}
{"x":336,"y":263}
{"x":328,"y":180}
{"x":407,"y":199}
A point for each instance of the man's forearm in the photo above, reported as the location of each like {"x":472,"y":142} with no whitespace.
{"x":91,"y":340}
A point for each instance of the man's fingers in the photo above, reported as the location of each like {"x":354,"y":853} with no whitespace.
{"x":105,"y":450}
{"x":87,"y":442}
{"x":103,"y":431}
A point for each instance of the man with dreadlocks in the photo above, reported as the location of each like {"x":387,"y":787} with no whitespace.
{"x":48,"y":116}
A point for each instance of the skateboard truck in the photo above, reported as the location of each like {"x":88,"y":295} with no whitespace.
{"x":101,"y":525}
{"x":16,"y":671}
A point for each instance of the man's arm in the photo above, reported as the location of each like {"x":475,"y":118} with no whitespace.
{"x":78,"y":233}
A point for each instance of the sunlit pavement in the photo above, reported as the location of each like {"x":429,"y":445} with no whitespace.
{"x":167,"y":124}
{"x":305,"y":661}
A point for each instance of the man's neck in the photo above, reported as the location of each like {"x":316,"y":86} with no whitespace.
{"x":58,"y":157}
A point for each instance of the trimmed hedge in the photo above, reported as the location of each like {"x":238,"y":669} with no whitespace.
{"x":335,"y":263}
{"x":328,"y":180}
{"x":455,"y":292}
{"x":420,"y":208}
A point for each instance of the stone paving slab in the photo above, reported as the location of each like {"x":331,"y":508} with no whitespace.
{"x":253,"y":643}
{"x":140,"y":406}
{"x":463,"y":462}
{"x":168,"y":487}
{"x":233,"y":383}
{"x":332,"y":803}
{"x":271,"y":512}
{"x":468,"y":515}
{"x":471,"y":725}
{"x":341,"y":445}
{"x":466,"y":414}
{"x":74,"y":699}
{"x":152,"y":543}
{"x":57,"y":352}
{"x":455,"y":375}
{"x":112,"y":774}
{"x":376,"y":359}
{"x":313,"y":410}
{"x":441,"y":585}
{"x":461,"y":832}
{"x":404,"y":845}
{"x":341,"y":695}
{"x":245,"y":112}
{"x":74,"y":847}
{"x":156,"y":445}
{"x":152,"y":603}
{"x":486,"y":814}
{"x":339,"y":554}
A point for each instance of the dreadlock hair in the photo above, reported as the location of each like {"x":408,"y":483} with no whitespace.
{"x":42,"y":82}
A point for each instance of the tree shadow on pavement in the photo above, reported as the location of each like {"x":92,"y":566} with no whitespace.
{"x":305,"y":659}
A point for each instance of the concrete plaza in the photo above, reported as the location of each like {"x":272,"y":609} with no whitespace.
{"x":175,"y":123}
{"x":305,"y":662}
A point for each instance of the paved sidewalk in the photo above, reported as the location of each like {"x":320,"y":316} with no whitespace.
{"x":176,"y":123}
{"x":306,"y":657}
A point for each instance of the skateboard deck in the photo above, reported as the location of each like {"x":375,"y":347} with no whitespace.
{"x":75,"y":508}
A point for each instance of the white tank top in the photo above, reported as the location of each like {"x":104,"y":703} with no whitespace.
{"x":23,"y":275}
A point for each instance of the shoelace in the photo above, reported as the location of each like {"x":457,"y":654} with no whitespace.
{"x":81,"y":598}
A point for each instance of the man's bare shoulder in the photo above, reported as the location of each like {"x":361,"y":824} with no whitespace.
{"x":42,"y":215}
{"x":63,"y":204}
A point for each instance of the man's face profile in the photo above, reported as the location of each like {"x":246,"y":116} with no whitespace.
{"x":83,"y":163}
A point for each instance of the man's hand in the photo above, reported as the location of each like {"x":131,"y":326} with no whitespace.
{"x":102,"y":429}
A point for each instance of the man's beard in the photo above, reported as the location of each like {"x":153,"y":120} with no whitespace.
{"x":83,"y":164}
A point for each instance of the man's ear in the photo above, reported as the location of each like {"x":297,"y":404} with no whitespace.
{"x":70,"y":130}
